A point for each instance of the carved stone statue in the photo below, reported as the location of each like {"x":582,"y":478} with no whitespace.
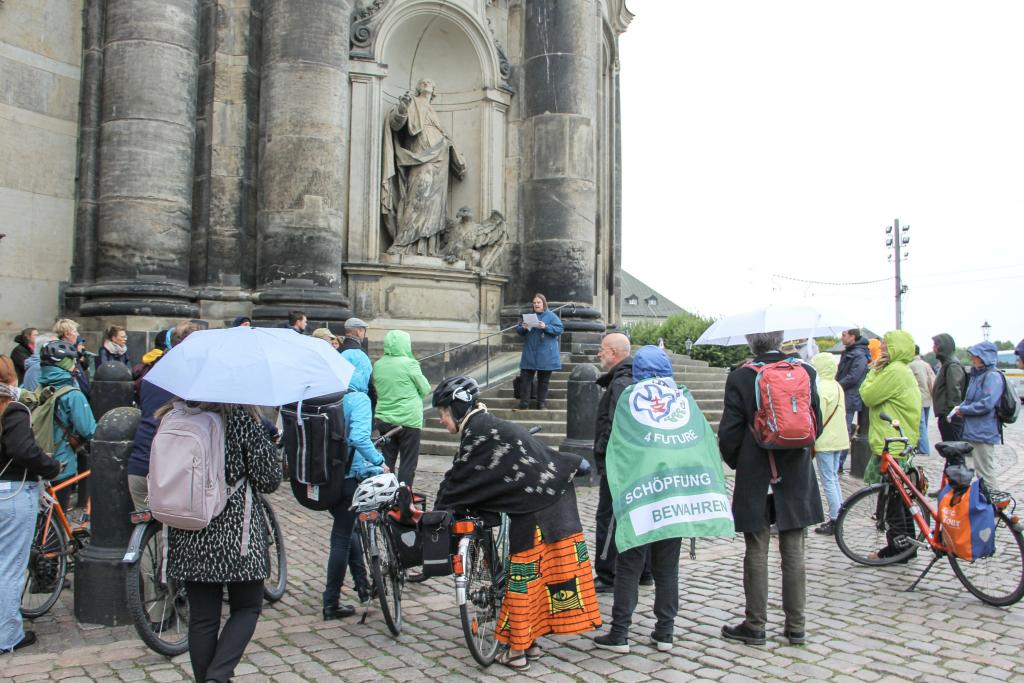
{"x":478,"y":244}
{"x":418,"y":156}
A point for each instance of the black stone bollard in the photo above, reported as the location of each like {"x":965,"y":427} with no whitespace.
{"x":112,"y":387}
{"x":99,"y":573}
{"x":580,"y":417}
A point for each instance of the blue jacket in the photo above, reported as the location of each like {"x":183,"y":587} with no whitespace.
{"x":366,"y":460}
{"x":540,"y":348}
{"x":74,"y":412}
{"x":151,"y":398}
{"x":984,"y":389}
{"x":32,"y":369}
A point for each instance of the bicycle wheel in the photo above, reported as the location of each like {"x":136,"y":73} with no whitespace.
{"x":862,"y":525}
{"x":47,"y":568}
{"x":484,"y":594}
{"x":386,"y":573}
{"x":159,"y":609}
{"x":999,"y":578}
{"x":277,"y":581}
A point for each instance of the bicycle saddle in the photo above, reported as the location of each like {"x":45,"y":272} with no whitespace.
{"x":953,"y":449}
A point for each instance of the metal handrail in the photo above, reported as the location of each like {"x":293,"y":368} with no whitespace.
{"x":487,"y":340}
{"x":492,"y":334}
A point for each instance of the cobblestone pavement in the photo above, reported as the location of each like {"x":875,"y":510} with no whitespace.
{"x":861,"y":625}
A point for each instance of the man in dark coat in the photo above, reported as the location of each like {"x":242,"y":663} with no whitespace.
{"x":949,"y":387}
{"x":616,"y":361}
{"x":26,"y":346}
{"x":793,"y":504}
{"x":853,"y":368}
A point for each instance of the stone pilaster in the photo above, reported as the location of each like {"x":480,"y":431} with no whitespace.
{"x":561,"y":57}
{"x":147,"y":135}
{"x":301,"y":236}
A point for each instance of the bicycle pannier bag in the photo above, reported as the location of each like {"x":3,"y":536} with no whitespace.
{"x":316,"y":449}
{"x":784,"y":417}
{"x":435,"y":532}
{"x":968,"y":522}
{"x":187,"y":486}
{"x":406,"y":541}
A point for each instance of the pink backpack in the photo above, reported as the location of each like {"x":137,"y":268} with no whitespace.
{"x":187,"y":486}
{"x":785,"y":417}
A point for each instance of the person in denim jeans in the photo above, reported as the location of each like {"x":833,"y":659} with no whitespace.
{"x":834,"y":438}
{"x":22,"y":463}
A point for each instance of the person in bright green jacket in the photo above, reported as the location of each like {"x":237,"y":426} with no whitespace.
{"x":401,"y":388}
{"x":890,"y":388}
{"x":834,"y":439}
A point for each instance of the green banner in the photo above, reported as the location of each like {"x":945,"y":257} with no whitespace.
{"x":664,"y":468}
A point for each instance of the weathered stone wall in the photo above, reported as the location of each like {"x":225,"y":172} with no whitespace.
{"x":40,"y":70}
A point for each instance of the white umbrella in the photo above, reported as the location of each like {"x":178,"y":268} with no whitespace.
{"x":251,"y":365}
{"x":796,"y":322}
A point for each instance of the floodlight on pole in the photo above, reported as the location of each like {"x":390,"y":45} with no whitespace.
{"x":985,"y":330}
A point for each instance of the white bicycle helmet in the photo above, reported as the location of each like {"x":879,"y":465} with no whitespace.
{"x":373,"y":492}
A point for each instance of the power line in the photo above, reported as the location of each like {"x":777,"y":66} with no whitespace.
{"x":830,"y":284}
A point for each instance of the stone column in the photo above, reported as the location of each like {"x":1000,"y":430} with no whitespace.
{"x":147,"y":138}
{"x":301,"y":237}
{"x":561,"y":56}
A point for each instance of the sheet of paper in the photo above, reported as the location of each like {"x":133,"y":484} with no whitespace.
{"x":530,"y":319}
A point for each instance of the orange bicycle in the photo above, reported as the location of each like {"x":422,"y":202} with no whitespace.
{"x":894,"y":515}
{"x":55,"y":540}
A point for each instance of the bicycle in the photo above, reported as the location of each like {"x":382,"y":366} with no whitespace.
{"x":54,"y":541}
{"x":158,"y":603}
{"x":386,"y":572}
{"x":873,"y":516}
{"x":480,"y":576}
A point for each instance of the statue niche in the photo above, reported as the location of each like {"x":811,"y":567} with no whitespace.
{"x":417,"y":160}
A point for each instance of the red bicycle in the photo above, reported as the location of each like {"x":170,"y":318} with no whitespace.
{"x":886,"y":523}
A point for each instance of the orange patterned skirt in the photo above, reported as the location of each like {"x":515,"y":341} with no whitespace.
{"x":550,"y":590}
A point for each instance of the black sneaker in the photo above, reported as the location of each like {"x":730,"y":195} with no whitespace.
{"x":826,"y":529}
{"x":646,"y":580}
{"x":613,"y":643}
{"x":523,"y":405}
{"x":602,"y":587}
{"x":338,"y":612}
{"x":795,"y":637}
{"x":663,"y":643}
{"x":744,"y":634}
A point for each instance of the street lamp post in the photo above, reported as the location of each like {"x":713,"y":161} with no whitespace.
{"x":985,"y":330}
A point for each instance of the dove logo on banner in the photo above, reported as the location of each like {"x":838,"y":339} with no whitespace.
{"x":658,"y":405}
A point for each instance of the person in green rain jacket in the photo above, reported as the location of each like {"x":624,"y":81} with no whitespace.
{"x":401,"y":388}
{"x":890,"y":388}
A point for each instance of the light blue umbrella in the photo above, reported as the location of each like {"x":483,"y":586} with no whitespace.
{"x":251,"y":365}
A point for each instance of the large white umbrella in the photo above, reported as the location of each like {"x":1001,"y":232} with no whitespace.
{"x":796,"y":322}
{"x":251,"y":365}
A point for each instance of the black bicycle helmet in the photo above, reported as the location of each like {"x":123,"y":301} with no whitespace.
{"x":56,"y":351}
{"x":459,"y":393}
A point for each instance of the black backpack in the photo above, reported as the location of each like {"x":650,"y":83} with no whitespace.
{"x":1008,"y":407}
{"x":317,"y":450}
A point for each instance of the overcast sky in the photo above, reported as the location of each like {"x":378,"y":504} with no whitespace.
{"x":772,"y":140}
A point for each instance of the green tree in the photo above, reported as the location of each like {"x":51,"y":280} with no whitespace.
{"x":1004,"y":345}
{"x":679,"y":328}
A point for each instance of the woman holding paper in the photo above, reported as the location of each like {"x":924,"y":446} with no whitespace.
{"x":540,"y":331}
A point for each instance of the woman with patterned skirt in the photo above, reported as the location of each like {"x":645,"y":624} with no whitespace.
{"x":500,"y":468}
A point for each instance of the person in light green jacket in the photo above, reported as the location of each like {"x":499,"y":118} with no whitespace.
{"x":401,"y":388}
{"x":834,"y":438}
{"x":890,"y":388}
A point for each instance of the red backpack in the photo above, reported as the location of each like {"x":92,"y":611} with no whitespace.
{"x":785,"y":417}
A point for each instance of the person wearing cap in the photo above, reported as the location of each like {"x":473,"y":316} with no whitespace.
{"x":355,"y":338}
{"x":982,"y":428}
{"x":328,"y":336}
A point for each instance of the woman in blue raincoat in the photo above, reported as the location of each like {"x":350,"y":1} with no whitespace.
{"x":541,"y":354}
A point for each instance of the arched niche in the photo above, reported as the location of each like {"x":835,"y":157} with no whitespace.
{"x":402,"y":43}
{"x":443,"y":42}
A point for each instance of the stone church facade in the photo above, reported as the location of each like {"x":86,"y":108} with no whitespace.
{"x":231,"y":159}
